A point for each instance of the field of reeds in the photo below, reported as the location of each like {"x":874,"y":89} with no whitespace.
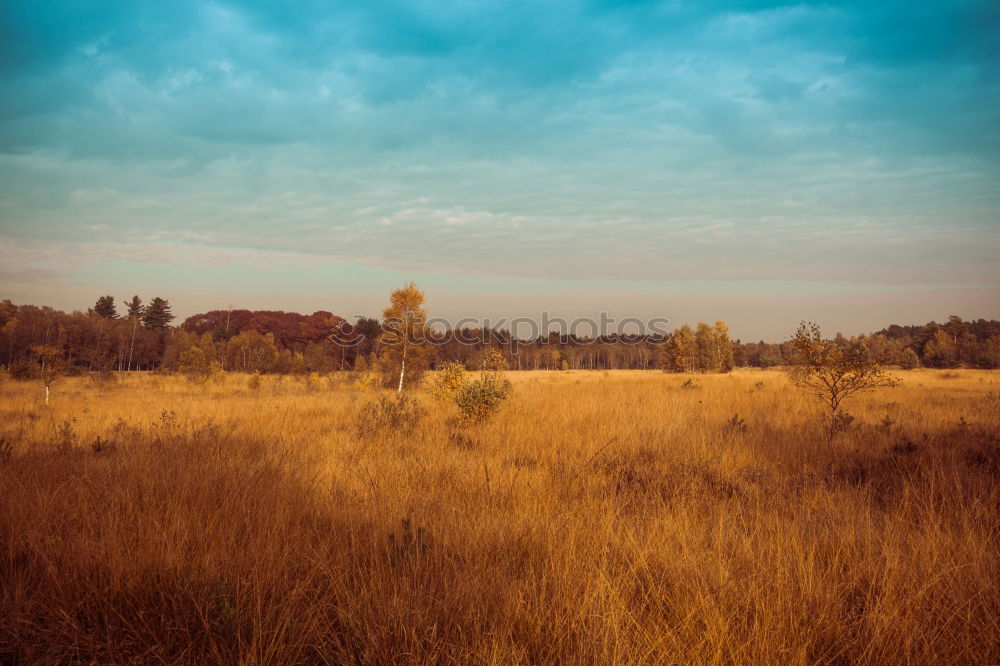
{"x":599,"y":518}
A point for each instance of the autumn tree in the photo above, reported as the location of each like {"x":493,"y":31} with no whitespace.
{"x":909,"y":360}
{"x":707,"y":357}
{"x":50,"y":362}
{"x":251,"y":352}
{"x":682,"y":350}
{"x":724,"y":348}
{"x":403,"y":343}
{"x":197,"y":356}
{"x":832,"y":371}
{"x":134,"y":313}
{"x":941,"y":351}
{"x":105,"y":307}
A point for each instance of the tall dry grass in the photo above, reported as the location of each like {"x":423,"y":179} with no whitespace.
{"x":601,"y":518}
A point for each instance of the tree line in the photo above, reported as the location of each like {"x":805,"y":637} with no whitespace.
{"x":141,"y":336}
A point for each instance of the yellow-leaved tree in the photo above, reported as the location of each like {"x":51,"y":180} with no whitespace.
{"x":403,"y":342}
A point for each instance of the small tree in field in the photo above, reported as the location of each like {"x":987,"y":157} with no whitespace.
{"x":403,"y":343}
{"x":833,"y":372}
{"x":50,"y":360}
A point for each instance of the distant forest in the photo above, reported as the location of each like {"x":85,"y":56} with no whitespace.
{"x":142,"y":336}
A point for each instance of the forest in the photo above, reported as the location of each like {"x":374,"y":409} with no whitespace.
{"x":142,"y":336}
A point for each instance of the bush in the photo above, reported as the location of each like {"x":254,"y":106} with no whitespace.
{"x":313,"y":381}
{"x":909,"y":360}
{"x":255,"y":381}
{"x":366,"y":381}
{"x":24,"y":369}
{"x":103,"y":379}
{"x":479,"y":400}
{"x":448,"y":381}
{"x":399,"y":416}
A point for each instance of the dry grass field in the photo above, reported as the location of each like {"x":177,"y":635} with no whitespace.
{"x":601,"y":518}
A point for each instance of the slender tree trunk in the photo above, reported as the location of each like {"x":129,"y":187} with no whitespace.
{"x":135,"y":321}
{"x":402,"y":369}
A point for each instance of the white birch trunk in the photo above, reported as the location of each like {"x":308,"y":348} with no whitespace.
{"x":402,"y":370}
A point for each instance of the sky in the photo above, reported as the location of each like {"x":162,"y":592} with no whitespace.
{"x":757,"y":162}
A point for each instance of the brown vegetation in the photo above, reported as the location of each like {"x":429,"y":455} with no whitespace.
{"x":598,"y":518}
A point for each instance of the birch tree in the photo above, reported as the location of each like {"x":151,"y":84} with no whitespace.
{"x":403,"y":342}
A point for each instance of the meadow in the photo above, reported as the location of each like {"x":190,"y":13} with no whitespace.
{"x":622,"y":517}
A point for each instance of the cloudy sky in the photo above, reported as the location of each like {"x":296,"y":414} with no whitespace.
{"x":756,"y":162}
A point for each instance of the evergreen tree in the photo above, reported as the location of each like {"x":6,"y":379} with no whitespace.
{"x":134,"y":306}
{"x":105,"y":307}
{"x":157,"y":314}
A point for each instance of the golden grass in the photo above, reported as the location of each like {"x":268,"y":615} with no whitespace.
{"x":601,"y":518}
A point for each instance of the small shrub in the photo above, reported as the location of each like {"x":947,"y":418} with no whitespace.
{"x":385,"y":415}
{"x":103,"y":379}
{"x":100,"y":445}
{"x":313,"y":381}
{"x":167,"y":426}
{"x":841,"y":422}
{"x":448,"y":381}
{"x":366,"y":381}
{"x":6,"y":450}
{"x":736,"y":425}
{"x":689,"y":384}
{"x":66,"y":437}
{"x":478,"y":401}
{"x":409,"y":545}
{"x":481,"y":399}
{"x":256,"y":381}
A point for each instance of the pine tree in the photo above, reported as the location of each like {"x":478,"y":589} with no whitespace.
{"x":134,"y":307}
{"x":157,"y":314}
{"x":105,"y":307}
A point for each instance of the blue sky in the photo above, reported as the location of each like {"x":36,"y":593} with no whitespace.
{"x":756,"y":162}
